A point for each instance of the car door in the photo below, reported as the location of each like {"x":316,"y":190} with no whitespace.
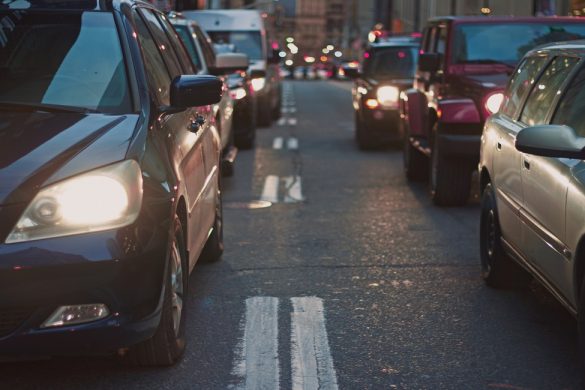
{"x":501,"y":137}
{"x":187,"y":156}
{"x":544,"y":182}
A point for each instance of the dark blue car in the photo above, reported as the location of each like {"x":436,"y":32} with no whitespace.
{"x":109,"y":180}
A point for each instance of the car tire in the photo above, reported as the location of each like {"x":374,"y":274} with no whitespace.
{"x":362,"y":140}
{"x":264,"y":115}
{"x":213,"y":248}
{"x":450,"y":178}
{"x":498,"y":270}
{"x":167,"y":344}
{"x":415,"y":163}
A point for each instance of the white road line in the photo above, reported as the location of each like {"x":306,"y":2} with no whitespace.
{"x":256,"y":363}
{"x":270,"y":190}
{"x":292,"y":121}
{"x":312,"y":364}
{"x":277,"y":143}
{"x":292,"y":143}
{"x":294,"y":192}
{"x":281,"y":122}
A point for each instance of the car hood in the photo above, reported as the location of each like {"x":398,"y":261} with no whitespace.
{"x":39,"y":148}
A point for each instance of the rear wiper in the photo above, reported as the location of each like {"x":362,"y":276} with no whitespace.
{"x":44,"y":107}
{"x":488,"y":61}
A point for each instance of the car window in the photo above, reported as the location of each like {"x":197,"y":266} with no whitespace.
{"x":205,"y":43}
{"x":163,"y":43}
{"x":571,"y":109}
{"x":189,"y":41}
{"x":159,"y":80}
{"x":178,"y":46}
{"x":520,"y":84}
{"x":545,"y":90}
{"x":441,"y":46}
{"x":391,"y":62}
{"x":84,"y":67}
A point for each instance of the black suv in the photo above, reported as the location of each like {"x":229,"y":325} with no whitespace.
{"x":109,"y":180}
{"x":388,"y":68}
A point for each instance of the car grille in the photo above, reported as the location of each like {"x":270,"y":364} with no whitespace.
{"x":11,"y":319}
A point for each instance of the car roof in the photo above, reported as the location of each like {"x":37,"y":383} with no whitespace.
{"x":505,"y":19}
{"x":570,"y":47}
{"x":73,"y":5}
{"x":388,"y":44}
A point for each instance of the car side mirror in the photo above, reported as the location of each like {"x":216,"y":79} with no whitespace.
{"x":551,"y":141}
{"x":227,"y":63}
{"x":429,"y":62}
{"x":352,"y":73}
{"x":194,"y":91}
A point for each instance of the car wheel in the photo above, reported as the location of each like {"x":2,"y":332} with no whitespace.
{"x":363,"y":142}
{"x":450,"y":178}
{"x":213,"y":248}
{"x":264,"y":115}
{"x":168,"y":343}
{"x":497,"y":268}
{"x":415,"y":163}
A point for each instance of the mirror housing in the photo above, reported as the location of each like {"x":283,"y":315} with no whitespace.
{"x":195,"y":91}
{"x":227,"y":63}
{"x":551,"y":141}
{"x":429,"y":62}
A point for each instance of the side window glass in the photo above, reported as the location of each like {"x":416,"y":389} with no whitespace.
{"x":545,"y":89}
{"x":521,"y":83}
{"x":206,"y":48}
{"x":163,"y":43}
{"x":178,"y":46}
{"x":432,"y":44}
{"x":188,"y":39}
{"x":571,"y":109}
{"x":441,"y":46}
{"x":426,"y":39}
{"x":159,"y":81}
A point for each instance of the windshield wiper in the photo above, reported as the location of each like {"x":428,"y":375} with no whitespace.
{"x":44,"y":107}
{"x":489,"y":61}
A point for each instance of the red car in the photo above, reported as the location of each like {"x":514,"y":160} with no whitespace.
{"x":464,"y":66}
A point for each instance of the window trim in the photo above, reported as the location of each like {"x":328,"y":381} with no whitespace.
{"x":565,"y":87}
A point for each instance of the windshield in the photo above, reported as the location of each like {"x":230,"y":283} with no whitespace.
{"x":484,"y":42}
{"x":247,"y":42}
{"x":62,"y":59}
{"x":189,"y":41}
{"x":393,"y":62}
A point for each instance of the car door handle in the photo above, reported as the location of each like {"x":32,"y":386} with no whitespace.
{"x":194,"y":126}
{"x":527,"y":165}
{"x":200,"y":120}
{"x":499,"y":146}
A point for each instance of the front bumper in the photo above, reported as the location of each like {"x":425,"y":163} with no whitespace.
{"x":381,"y":124}
{"x":121,"y":268}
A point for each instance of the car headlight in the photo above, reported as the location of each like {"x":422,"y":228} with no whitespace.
{"x":493,"y":102}
{"x":238,"y":93}
{"x":258,"y":84}
{"x":388,"y":96}
{"x":106,"y":198}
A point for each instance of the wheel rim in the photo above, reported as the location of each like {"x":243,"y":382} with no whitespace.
{"x":177,"y":287}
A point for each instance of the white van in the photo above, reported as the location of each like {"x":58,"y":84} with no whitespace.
{"x":245,"y":30}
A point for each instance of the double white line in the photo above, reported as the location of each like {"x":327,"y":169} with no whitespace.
{"x":257,"y":364}
{"x":293,"y":192}
{"x":291,"y":143}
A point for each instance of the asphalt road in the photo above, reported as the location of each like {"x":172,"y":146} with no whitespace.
{"x":350,"y":280}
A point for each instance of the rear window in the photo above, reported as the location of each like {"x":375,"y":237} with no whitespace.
{"x":247,"y":42}
{"x":69,"y":59}
{"x":392,"y":62}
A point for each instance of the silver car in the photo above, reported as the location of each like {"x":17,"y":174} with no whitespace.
{"x":533,"y":178}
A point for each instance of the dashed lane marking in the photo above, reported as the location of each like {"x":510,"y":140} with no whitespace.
{"x":281,"y":122}
{"x":256,"y":364}
{"x":277,"y":143}
{"x":270,"y":189}
{"x":294,"y":192}
{"x":312,"y":364}
{"x":292,"y":143}
{"x":292,"y":121}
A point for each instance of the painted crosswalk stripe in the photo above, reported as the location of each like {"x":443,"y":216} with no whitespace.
{"x":294,"y":193}
{"x":312,"y":364}
{"x":292,"y":143}
{"x":256,"y":364}
{"x":270,"y":189}
{"x":277,"y":143}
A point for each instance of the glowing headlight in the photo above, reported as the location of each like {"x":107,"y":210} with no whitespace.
{"x":493,"y":103}
{"x":106,"y":198}
{"x":388,"y":96}
{"x":238,"y":93}
{"x":258,"y":84}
